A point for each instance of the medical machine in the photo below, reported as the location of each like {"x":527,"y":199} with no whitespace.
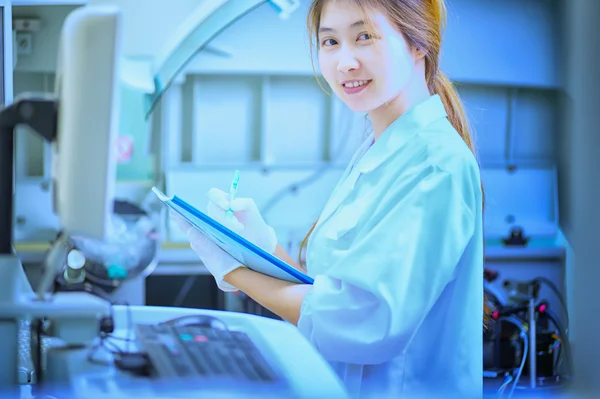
{"x":80,"y":121}
{"x":225,"y":352}
{"x":527,"y":342}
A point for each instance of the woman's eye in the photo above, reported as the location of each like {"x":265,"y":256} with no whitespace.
{"x":365,"y":36}
{"x":328,"y":42}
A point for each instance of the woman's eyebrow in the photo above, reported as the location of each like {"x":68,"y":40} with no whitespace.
{"x":324,"y":29}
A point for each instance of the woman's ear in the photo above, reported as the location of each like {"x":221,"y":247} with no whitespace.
{"x":420,"y":52}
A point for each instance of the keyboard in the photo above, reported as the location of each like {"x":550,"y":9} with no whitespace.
{"x":203,"y":353}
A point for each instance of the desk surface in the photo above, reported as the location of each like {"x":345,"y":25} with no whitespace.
{"x":179,"y":259}
{"x":308,"y":374}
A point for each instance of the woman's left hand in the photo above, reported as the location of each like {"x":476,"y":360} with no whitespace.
{"x":218,"y":262}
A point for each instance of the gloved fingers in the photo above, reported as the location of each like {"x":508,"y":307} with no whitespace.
{"x":198,"y":239}
{"x":203,"y":246}
{"x":243,"y":204}
{"x":226,"y":219}
{"x":180,"y":222}
{"x":206,"y":248}
{"x":219,"y":197}
{"x":215,"y":211}
{"x":217,"y":261}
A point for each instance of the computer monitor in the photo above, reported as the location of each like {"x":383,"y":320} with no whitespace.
{"x":84,"y":169}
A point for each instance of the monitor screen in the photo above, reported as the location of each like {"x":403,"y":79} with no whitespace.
{"x":84,"y":164}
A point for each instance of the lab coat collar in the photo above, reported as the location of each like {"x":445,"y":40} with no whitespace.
{"x":400,"y":131}
{"x":388,"y":143}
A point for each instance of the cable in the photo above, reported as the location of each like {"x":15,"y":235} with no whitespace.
{"x":105,"y":341}
{"x":558,"y":360}
{"x":523,"y":335}
{"x":91,"y":358}
{"x":557,"y":346}
{"x":99,"y":281}
{"x":184,"y":291}
{"x":507,"y":379}
{"x":101,"y":294}
{"x":294,"y":187}
{"x":566,"y":353}
{"x":106,"y":338}
{"x":556,"y":291}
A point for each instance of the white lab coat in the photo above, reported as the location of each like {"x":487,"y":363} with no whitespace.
{"x":397,"y":258}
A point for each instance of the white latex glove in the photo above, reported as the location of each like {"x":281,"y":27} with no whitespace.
{"x":245,"y":221}
{"x":218,"y":262}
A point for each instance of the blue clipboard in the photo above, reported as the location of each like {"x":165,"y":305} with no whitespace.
{"x":248,"y":254}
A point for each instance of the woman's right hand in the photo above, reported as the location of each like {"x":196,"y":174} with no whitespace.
{"x":245,"y":221}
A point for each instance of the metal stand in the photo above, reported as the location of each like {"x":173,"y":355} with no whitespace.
{"x":6,"y":189}
{"x":14,"y":286}
{"x":40,"y":115}
{"x":532,"y":344}
{"x":526,"y":294}
{"x":74,"y":317}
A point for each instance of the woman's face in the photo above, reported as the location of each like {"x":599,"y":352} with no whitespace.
{"x":365,"y":68}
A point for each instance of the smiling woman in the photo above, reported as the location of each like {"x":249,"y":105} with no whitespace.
{"x":397,"y":253}
{"x":368,"y":63}
{"x":381,"y":57}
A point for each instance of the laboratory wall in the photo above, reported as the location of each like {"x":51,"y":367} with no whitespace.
{"x":580,"y":163}
{"x":251,"y":101}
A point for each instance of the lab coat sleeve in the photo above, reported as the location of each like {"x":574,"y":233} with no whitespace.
{"x":366,"y":308}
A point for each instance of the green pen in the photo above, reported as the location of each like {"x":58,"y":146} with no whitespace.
{"x":233,"y":190}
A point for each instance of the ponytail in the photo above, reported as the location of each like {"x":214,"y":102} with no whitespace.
{"x":443,"y":87}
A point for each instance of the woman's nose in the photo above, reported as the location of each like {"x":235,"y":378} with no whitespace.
{"x":347,"y":61}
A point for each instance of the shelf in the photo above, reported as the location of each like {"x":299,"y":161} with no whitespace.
{"x":294,"y":130}
{"x":263,"y":120}
{"x":224,"y":120}
{"x":273,"y":121}
{"x":49,"y":2}
{"x":181,"y":260}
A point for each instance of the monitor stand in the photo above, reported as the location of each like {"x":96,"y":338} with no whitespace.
{"x":74,"y":316}
{"x":40,"y":114}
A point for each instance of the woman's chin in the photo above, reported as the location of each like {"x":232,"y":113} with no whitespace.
{"x":359,"y":106}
